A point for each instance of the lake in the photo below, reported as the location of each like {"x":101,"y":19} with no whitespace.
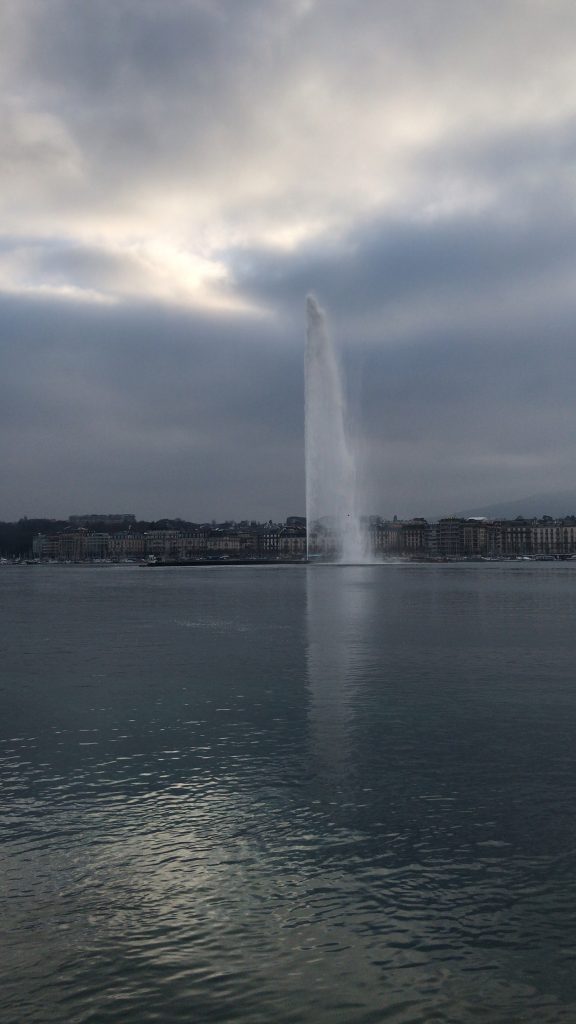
{"x":288,"y":793}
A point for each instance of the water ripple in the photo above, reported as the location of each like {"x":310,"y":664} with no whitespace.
{"x":360,"y":824}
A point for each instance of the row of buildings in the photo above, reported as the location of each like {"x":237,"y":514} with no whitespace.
{"x":415,"y":538}
{"x":269,"y":541}
{"x":475,"y":538}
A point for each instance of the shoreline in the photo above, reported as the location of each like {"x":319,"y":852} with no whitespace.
{"x":224,"y":562}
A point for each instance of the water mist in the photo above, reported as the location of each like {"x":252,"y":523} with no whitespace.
{"x":335,"y":529}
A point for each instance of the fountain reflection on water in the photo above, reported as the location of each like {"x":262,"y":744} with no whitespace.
{"x":336,"y":530}
{"x":339,"y":614}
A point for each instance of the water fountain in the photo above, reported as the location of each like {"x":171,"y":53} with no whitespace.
{"x":335,"y":529}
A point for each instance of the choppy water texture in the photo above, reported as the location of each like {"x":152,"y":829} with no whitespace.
{"x":288,"y":794}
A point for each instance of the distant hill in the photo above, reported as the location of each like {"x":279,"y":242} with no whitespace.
{"x":556,"y":504}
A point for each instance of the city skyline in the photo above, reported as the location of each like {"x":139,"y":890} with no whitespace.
{"x":417,"y":539}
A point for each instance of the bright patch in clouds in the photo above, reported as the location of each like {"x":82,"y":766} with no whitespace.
{"x":159,"y":127}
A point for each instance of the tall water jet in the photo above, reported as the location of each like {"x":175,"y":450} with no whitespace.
{"x":333,"y":518}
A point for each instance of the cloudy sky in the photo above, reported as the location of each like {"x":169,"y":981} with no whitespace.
{"x":176,"y":175}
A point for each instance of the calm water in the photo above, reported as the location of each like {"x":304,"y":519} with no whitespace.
{"x":288,"y":794}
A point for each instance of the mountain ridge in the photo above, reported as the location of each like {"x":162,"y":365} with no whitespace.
{"x":552,"y":503}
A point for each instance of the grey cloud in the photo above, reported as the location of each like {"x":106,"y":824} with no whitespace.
{"x":153,"y":79}
{"x":444,"y":250}
{"x":166,"y":411}
{"x":199,"y":91}
{"x":476,"y":399}
{"x":385,"y":266}
{"x":173,"y":414}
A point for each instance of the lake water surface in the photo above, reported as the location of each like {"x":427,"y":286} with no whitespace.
{"x":288,"y":794}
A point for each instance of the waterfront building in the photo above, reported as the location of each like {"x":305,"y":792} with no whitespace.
{"x":162,"y":543}
{"x":292,"y":541}
{"x":415,"y":537}
{"x":269,"y":540}
{"x":385,"y":537}
{"x":43,"y":546}
{"x":554,"y":537}
{"x":71,"y":546}
{"x":192,"y":544}
{"x":127,"y":544}
{"x":515,"y":537}
{"x":450,"y":537}
{"x":476,"y":537}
